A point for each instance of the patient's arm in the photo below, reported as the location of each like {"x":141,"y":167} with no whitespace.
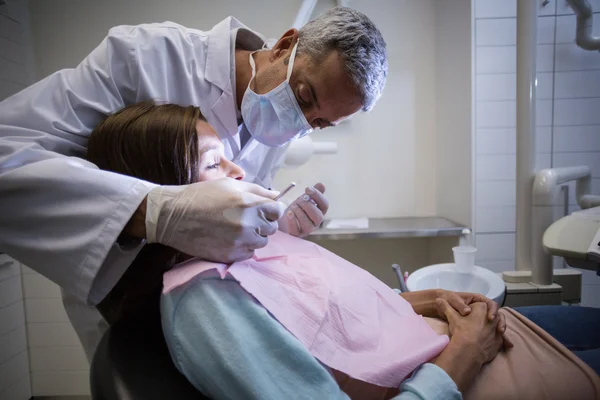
{"x":423,"y":302}
{"x":229,"y":346}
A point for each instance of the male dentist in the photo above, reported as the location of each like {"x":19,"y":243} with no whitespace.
{"x":82,"y":227}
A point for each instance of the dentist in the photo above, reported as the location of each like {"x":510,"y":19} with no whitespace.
{"x":82,"y":227}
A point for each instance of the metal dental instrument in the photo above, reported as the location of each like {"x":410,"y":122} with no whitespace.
{"x":398,"y":272}
{"x":287,"y":189}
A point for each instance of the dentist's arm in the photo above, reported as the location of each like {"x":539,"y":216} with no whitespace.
{"x":62,"y":216}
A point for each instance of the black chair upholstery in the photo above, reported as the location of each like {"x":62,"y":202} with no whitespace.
{"x":132,"y":362}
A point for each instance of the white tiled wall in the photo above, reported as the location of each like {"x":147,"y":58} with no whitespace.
{"x":58,"y":363}
{"x":15,"y":74}
{"x":568,"y":118}
{"x":14,"y":360}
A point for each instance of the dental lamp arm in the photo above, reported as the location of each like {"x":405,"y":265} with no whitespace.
{"x":304,"y":13}
{"x":545,"y":198}
{"x":546,"y":186}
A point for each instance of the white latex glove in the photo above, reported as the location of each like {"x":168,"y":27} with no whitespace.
{"x":223,"y":220}
{"x":306,"y":213}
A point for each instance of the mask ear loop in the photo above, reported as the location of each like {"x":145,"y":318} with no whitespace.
{"x":292,"y":59}
{"x":252,"y":63}
{"x":253,"y":66}
{"x":290,"y":64}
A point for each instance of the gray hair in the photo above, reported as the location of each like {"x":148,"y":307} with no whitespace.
{"x":359,"y":43}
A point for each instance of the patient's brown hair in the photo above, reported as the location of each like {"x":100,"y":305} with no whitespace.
{"x":156,"y":143}
{"x":159,"y":144}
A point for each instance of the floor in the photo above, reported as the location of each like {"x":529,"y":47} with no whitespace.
{"x":61,"y":398}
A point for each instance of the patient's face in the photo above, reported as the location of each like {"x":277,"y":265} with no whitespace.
{"x":213,"y":164}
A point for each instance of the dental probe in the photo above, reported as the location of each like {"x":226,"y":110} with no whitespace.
{"x":287,"y":189}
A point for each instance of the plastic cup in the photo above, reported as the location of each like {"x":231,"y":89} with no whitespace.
{"x":464,"y":258}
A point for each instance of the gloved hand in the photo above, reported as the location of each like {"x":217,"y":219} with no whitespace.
{"x":223,"y":220}
{"x":306,"y":213}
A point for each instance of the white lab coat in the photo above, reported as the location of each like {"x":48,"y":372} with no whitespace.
{"x":61,"y":215}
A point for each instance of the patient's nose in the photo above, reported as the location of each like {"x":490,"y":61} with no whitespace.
{"x":235,"y":171}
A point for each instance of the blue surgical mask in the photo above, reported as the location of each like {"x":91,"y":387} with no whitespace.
{"x":274,"y":118}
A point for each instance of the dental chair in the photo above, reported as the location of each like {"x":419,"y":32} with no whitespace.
{"x":132,"y":362}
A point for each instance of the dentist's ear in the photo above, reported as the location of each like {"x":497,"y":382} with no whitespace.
{"x":286,"y":42}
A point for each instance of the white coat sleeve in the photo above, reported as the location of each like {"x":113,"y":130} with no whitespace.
{"x":59,"y":214}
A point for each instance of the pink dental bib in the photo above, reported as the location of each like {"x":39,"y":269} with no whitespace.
{"x":346,"y":318}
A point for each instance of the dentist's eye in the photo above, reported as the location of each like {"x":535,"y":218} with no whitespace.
{"x":303,"y":96}
{"x":301,"y":101}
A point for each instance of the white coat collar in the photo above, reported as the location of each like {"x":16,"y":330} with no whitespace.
{"x":218,"y":60}
{"x":218,"y":71}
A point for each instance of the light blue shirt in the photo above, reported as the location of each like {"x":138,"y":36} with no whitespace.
{"x":229,"y":347}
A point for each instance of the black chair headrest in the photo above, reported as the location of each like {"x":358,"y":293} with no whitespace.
{"x":133,"y":362}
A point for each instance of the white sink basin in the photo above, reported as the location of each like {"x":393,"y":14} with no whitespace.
{"x":445,"y":276}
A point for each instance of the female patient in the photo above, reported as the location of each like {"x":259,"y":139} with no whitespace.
{"x":224,"y":340}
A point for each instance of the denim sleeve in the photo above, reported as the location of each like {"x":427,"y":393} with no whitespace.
{"x":229,"y":347}
{"x":429,"y":382}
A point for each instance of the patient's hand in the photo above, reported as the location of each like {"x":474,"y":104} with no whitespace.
{"x":474,"y":342}
{"x":475,"y":329}
{"x":462,"y":303}
{"x":424,"y":302}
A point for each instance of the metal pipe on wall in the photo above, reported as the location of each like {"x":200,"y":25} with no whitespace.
{"x":526,"y":88}
{"x":585,"y":25}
